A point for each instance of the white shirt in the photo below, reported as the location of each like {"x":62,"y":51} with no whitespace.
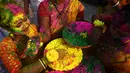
{"x":34,"y":7}
{"x":34,"y":4}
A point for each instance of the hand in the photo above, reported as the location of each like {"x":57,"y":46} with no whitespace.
{"x":45,"y":37}
{"x":33,"y":45}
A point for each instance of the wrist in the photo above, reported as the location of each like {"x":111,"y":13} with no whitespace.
{"x":45,"y":61}
{"x":117,"y":3}
{"x":43,"y":65}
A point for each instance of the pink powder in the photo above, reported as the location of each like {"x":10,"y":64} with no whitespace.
{"x":14,"y":9}
{"x":84,"y":26}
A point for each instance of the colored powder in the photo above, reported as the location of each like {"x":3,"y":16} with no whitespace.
{"x":77,"y":33}
{"x":90,"y":65}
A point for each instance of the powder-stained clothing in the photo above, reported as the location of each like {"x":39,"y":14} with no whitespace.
{"x":60,"y":14}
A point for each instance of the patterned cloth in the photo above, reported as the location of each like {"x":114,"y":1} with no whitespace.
{"x":60,"y":14}
{"x":9,"y":56}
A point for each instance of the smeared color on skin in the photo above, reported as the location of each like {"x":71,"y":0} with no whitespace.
{"x":16,"y":18}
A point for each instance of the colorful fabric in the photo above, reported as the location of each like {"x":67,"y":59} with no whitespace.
{"x":61,"y":14}
{"x":9,"y":56}
{"x":61,"y":56}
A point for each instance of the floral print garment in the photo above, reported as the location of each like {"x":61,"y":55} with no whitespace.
{"x":60,"y":14}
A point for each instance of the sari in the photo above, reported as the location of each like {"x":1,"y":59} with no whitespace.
{"x":60,"y":14}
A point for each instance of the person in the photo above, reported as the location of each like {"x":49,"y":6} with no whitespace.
{"x":120,"y":31}
{"x":53,"y":15}
{"x":19,"y":51}
{"x":117,"y":21}
{"x":33,"y":4}
{"x":3,"y":32}
{"x":116,"y":53}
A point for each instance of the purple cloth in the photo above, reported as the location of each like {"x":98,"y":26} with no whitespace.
{"x":2,"y":68}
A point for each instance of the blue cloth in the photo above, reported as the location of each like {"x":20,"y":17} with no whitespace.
{"x":2,"y":68}
{"x":3,"y":34}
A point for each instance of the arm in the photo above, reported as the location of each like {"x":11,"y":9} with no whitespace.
{"x":35,"y":67}
{"x":44,"y":28}
{"x":26,"y":7}
{"x":43,"y":20}
{"x":12,"y":62}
